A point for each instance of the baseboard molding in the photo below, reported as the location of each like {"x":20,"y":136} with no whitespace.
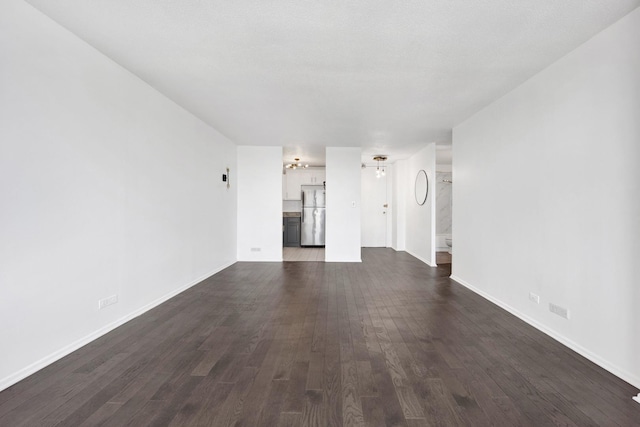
{"x":632,"y":379}
{"x":70,"y":348}
{"x":421,"y":259}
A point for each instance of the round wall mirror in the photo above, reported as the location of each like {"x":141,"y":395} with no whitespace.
{"x":422,"y":187}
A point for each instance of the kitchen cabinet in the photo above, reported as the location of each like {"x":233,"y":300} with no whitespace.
{"x":295,"y":178}
{"x":291,"y":231}
{"x":318,"y":176}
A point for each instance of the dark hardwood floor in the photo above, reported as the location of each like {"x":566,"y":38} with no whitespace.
{"x":389,"y":342}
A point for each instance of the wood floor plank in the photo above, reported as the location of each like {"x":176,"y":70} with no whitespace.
{"x":315,"y":372}
{"x":436,"y":404}
{"x":372,"y":412}
{"x":390,"y":405}
{"x":366,"y":385}
{"x":386,"y":342}
{"x":313,"y":413}
{"x":294,"y":397}
{"x":231,"y":410}
{"x":203,"y":405}
{"x":332,"y":386}
{"x":290,"y":419}
{"x":351,"y":404}
{"x":102,"y":415}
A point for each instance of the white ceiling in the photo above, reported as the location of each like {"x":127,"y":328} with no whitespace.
{"x":385,"y":75}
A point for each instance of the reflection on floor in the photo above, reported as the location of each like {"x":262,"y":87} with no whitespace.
{"x":303,"y":254}
{"x":443,"y":258}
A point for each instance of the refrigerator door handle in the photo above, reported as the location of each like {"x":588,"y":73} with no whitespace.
{"x":302,"y":219}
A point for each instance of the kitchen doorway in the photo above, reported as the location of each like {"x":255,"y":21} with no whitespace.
{"x":303,"y":204}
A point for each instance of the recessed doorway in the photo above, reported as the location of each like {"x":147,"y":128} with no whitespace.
{"x":444,"y":204}
{"x":375,"y":206}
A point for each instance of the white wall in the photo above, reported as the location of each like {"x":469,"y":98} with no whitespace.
{"x":546,"y":199}
{"x":106,"y":186}
{"x":421,"y":226}
{"x":401,"y":188}
{"x":259,"y":181}
{"x":343,"y":204}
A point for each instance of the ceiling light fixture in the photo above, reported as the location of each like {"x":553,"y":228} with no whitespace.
{"x":380,"y":172}
{"x":296,"y":164}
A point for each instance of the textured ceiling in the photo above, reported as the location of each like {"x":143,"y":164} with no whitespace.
{"x":385,"y":75}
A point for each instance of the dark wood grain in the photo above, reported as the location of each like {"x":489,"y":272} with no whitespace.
{"x":290,"y":419}
{"x":389,"y":342}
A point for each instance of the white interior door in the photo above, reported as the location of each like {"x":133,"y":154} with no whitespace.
{"x":374,"y":209}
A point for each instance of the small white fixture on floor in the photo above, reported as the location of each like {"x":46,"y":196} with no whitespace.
{"x":449,"y":243}
{"x":636,"y":398}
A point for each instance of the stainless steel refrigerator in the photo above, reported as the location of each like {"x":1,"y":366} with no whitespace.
{"x":313,"y":215}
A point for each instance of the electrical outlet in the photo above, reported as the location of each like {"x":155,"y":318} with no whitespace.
{"x":533,"y":297}
{"x":256,"y":249}
{"x":560,"y":311}
{"x":105,"y":302}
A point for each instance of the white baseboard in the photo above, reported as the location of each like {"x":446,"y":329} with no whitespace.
{"x":421,"y":259}
{"x":70,"y":348}
{"x":632,"y":379}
